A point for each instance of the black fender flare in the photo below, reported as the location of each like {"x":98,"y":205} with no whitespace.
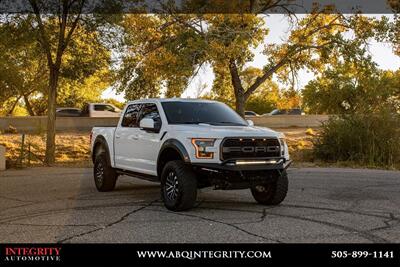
{"x":176,"y":145}
{"x":100,"y":140}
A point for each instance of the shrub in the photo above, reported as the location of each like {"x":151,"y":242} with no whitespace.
{"x":368,"y":139}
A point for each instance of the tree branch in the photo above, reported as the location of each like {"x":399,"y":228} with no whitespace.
{"x":44,"y":41}
{"x":285,"y":59}
{"x":266,"y":76}
{"x":61,"y":33}
{"x":74,"y":25}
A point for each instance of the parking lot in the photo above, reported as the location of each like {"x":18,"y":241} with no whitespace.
{"x":323,"y":205}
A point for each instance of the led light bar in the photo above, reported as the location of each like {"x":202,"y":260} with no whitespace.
{"x":247,"y":162}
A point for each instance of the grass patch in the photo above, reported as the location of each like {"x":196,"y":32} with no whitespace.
{"x":71,"y":149}
{"x":370,"y":140}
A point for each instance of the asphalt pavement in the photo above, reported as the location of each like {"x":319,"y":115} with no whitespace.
{"x":323,"y":205}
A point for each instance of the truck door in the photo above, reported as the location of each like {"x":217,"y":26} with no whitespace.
{"x":126,"y":140}
{"x":150,"y":142}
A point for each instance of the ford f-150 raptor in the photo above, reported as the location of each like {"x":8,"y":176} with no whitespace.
{"x":190,"y":144}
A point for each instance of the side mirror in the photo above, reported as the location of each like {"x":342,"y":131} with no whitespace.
{"x":250,"y":122}
{"x":148,"y":124}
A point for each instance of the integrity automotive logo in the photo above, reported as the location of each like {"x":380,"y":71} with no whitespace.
{"x":31,"y":254}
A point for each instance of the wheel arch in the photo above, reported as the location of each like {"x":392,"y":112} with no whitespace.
{"x":172,"y":149}
{"x":100,"y":141}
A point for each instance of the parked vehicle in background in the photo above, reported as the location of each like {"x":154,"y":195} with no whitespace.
{"x":100,"y":110}
{"x":68,"y":112}
{"x":293,"y":111}
{"x":191,"y":144}
{"x":249,"y":113}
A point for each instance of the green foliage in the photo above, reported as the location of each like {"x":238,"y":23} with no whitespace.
{"x":24,"y":79}
{"x":351,"y":87}
{"x":289,"y":99}
{"x":392,"y":34}
{"x":22,"y":65}
{"x":160,"y":56}
{"x":265,"y":99}
{"x":260,"y":105}
{"x":370,"y":139}
{"x":10,"y":108}
{"x":164,"y":51}
{"x":73,"y":93}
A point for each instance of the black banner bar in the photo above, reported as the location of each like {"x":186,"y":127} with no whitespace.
{"x":200,"y":254}
{"x":204,"y":6}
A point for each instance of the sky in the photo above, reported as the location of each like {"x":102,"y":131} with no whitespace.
{"x":279,"y":29}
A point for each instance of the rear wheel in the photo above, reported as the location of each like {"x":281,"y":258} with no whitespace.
{"x":178,"y":186}
{"x":105,"y":177}
{"x":272,"y":193}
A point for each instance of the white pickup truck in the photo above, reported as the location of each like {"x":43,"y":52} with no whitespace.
{"x":190,"y":144}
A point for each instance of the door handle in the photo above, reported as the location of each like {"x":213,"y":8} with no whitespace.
{"x":117,"y":137}
{"x":133,"y":137}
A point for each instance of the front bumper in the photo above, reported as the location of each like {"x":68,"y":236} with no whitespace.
{"x":243,"y":165}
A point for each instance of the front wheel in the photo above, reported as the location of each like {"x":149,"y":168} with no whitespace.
{"x":178,"y":186}
{"x":272,"y":193}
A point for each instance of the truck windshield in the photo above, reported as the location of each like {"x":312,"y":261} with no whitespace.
{"x":213,"y":113}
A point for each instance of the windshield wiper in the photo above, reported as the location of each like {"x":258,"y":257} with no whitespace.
{"x":216,"y":123}
{"x":226,"y":122}
{"x":191,"y":122}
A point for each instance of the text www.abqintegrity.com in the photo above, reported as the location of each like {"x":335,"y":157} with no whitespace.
{"x":204,"y":254}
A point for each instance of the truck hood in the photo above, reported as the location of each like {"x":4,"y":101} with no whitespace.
{"x":205,"y":131}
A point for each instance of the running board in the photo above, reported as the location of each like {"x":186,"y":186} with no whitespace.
{"x":147,"y":177}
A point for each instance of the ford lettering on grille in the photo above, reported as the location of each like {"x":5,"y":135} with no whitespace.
{"x":250,"y":149}
{"x":242,"y":148}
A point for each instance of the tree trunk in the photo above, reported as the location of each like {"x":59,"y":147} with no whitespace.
{"x":240,"y":104}
{"x":9,"y":113}
{"x":237,"y":88}
{"x":51,"y":118}
{"x":28,"y":106}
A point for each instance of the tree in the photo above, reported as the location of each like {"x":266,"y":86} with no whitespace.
{"x":309,"y":46}
{"x":394,"y":30}
{"x":61,"y":28}
{"x":161,"y":56}
{"x":289,"y":99}
{"x":264,"y":100}
{"x":74,"y":93}
{"x":353,"y":88}
{"x":166,"y":50}
{"x":23,"y":66}
{"x":24,"y":76}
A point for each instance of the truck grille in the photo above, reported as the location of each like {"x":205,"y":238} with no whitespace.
{"x":249,"y":148}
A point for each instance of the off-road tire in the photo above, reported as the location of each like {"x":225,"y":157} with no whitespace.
{"x":105,"y":177}
{"x":177,"y":175}
{"x":274,"y":193}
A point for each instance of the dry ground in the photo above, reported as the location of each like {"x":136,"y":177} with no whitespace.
{"x":73,"y":148}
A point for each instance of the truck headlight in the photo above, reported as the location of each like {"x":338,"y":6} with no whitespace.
{"x":201,"y":145}
{"x":282,"y":143}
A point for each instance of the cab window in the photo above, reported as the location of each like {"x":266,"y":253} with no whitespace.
{"x":150,"y":110}
{"x":131,"y":116}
